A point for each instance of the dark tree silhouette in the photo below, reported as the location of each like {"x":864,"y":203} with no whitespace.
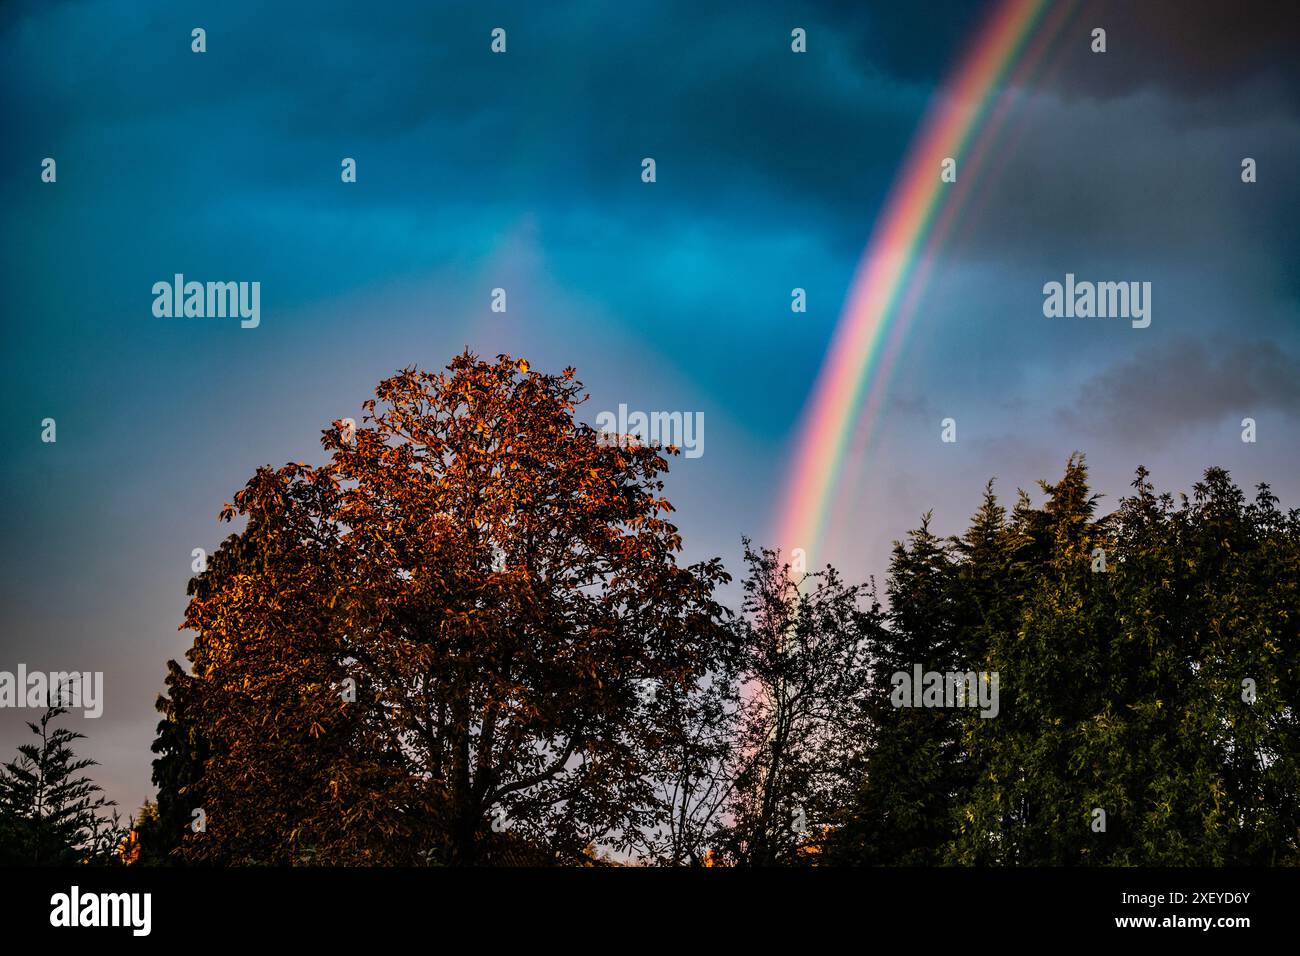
{"x":51,"y":814}
{"x":802,"y":643}
{"x":430,"y":649}
{"x":467,"y":639}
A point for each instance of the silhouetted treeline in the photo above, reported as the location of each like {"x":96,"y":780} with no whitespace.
{"x":1149,"y":677}
{"x":467,"y":640}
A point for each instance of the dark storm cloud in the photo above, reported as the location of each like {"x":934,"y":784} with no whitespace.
{"x":1126,"y":187}
{"x":1160,"y":392}
{"x":1187,"y":49}
{"x":712,"y":92}
{"x":917,"y":42}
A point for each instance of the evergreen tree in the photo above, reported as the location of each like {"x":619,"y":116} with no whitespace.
{"x":1122,"y":685}
{"x":911,"y":775}
{"x":50,"y":813}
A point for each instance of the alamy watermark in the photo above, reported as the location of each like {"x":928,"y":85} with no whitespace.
{"x":209,"y":300}
{"x":75,"y":690}
{"x":1100,"y":300}
{"x":684,"y":430}
{"x":75,"y":908}
{"x":950,"y":689}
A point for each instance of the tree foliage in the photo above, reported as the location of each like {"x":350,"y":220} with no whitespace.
{"x":429,"y":649}
{"x":1149,"y":667}
{"x":51,"y":813}
{"x":467,"y":638}
{"x":802,"y":643}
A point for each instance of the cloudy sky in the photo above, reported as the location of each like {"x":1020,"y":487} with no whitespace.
{"x":523,"y":171}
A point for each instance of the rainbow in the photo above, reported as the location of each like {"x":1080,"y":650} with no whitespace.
{"x":891,"y":276}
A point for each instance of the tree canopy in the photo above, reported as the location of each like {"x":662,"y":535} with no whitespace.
{"x":467,"y":638}
{"x":430,"y":648}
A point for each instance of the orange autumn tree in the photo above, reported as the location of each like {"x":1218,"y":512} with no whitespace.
{"x":432,"y":649}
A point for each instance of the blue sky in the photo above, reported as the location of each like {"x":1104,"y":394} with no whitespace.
{"x":522,"y":171}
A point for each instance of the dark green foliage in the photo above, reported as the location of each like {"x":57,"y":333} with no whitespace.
{"x":1121,"y":643}
{"x":1148,"y":662}
{"x":50,"y":813}
{"x":901,"y":811}
{"x":177,"y":768}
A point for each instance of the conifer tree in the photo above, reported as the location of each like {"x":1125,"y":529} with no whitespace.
{"x":51,"y":814}
{"x":902,"y":808}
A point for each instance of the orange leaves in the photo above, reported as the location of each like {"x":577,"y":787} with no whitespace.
{"x":474,"y":551}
